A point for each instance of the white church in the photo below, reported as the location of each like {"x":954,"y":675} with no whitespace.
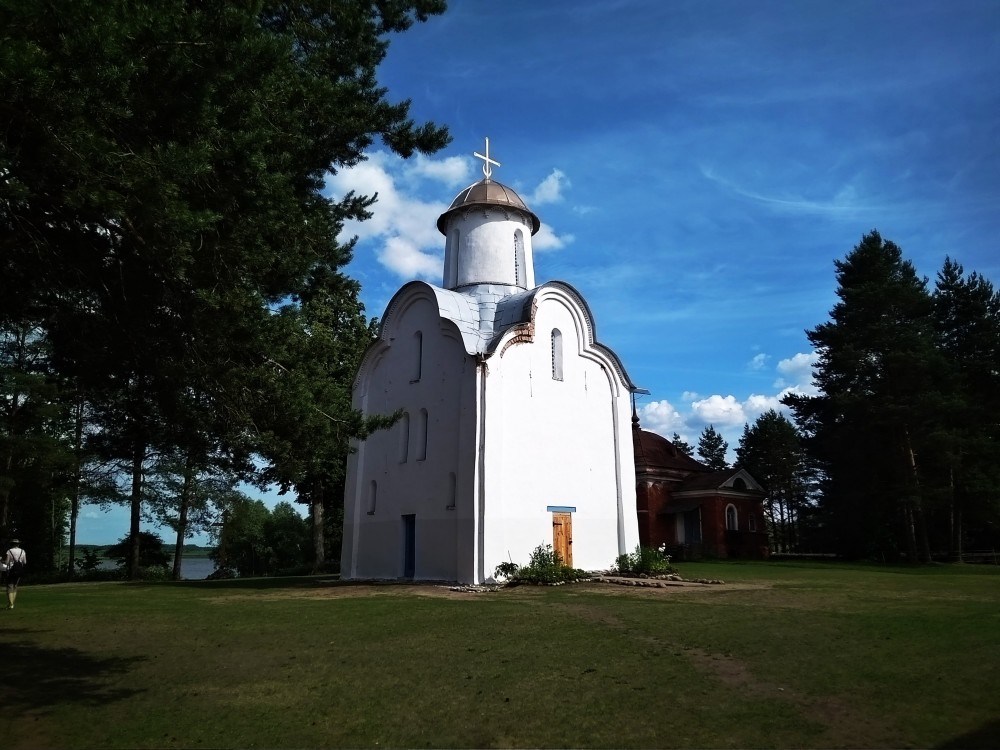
{"x":515,"y":428}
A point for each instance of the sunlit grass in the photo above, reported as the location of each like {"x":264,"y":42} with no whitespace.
{"x":784,"y":656}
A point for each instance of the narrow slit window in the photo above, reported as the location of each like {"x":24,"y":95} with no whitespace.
{"x":418,"y":356}
{"x":404,"y":437}
{"x":557,"y":354}
{"x":451,"y":491}
{"x":519,"y":270}
{"x":372,"y":497}
{"x":456,"y":256}
{"x":422,"y":436}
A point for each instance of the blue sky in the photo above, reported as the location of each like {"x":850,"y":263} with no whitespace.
{"x":697,"y":167}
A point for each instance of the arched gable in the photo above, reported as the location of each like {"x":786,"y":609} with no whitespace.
{"x":455,"y":310}
{"x":515,"y":322}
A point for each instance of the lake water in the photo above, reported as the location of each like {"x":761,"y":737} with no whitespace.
{"x":192,"y":568}
{"x":196,"y":568}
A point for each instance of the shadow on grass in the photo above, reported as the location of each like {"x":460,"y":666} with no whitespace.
{"x":37,"y":677}
{"x":986,"y":736}
{"x":270,"y":582}
{"x":290,"y":582}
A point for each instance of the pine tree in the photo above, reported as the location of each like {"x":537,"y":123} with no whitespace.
{"x":682,"y":446}
{"x":712,"y":449}
{"x":772,"y":452}
{"x":158,"y":201}
{"x":966,"y":453}
{"x":878,"y":373}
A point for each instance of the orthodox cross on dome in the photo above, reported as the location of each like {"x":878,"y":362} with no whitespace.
{"x":487,"y":161}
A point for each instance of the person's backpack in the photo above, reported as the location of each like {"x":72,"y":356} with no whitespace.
{"x":15,"y":568}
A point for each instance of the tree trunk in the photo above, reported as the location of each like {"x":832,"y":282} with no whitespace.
{"x":958,"y":535}
{"x":5,"y":495}
{"x":784,"y":524}
{"x":316,"y":508}
{"x":182,"y":517}
{"x":909,"y":533}
{"x":953,"y":552}
{"x":138,"y":457}
{"x":918,"y":509}
{"x":772,"y":526}
{"x":74,"y":507}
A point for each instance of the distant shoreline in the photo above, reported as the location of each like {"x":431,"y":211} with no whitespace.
{"x":188,"y":550}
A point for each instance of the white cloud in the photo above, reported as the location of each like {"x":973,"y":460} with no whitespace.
{"x":757,"y":404}
{"x":547,"y":239}
{"x":402,"y":223}
{"x":797,"y":373}
{"x":723,"y":411}
{"x":452,"y":171}
{"x":690,"y":396}
{"x":660,"y":417}
{"x":407,"y":260}
{"x":550,"y":189}
{"x":405,"y":225}
{"x":759,"y":361}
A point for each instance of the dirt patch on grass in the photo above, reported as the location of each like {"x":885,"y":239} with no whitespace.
{"x":335,"y":589}
{"x":843,"y":725}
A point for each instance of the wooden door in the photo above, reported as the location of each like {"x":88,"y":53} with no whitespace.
{"x":562,"y":537}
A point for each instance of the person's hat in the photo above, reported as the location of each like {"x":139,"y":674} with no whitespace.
{"x":15,"y":541}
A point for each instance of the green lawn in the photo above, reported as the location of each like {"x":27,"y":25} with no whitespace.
{"x":783,"y":655}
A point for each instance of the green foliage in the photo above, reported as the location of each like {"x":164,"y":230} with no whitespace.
{"x":286,"y":537}
{"x":157,"y":205}
{"x":904,"y":429}
{"x":254,"y":541}
{"x":90,"y":561}
{"x":506,"y":570}
{"x":966,"y":462}
{"x":712,"y":449}
{"x":682,"y":446}
{"x":644,"y":561}
{"x":772,"y":452}
{"x":544,"y":567}
{"x":151,"y":552}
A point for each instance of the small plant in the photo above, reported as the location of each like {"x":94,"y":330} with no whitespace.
{"x":645,"y":561}
{"x":506,"y":570}
{"x":90,"y":561}
{"x":544,"y":567}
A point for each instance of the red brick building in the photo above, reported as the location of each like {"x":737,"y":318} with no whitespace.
{"x":695,"y":511}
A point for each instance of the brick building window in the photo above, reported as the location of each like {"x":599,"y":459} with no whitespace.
{"x":732,"y":522}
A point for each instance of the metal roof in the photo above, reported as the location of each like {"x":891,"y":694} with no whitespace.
{"x":489,"y":193}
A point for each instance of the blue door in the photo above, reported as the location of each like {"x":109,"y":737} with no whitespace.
{"x":409,"y":544}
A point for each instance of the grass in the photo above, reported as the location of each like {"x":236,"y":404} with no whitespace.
{"x":784,"y":655}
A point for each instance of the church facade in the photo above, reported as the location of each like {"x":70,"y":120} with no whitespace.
{"x":515,"y":421}
{"x":692,"y":510}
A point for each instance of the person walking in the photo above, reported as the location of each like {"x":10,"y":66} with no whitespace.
{"x":16,"y":558}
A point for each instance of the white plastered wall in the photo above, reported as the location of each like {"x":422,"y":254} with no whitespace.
{"x":557,"y":443}
{"x":485,"y":250}
{"x":445,"y":387}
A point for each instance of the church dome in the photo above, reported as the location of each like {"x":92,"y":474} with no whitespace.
{"x":488,"y":193}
